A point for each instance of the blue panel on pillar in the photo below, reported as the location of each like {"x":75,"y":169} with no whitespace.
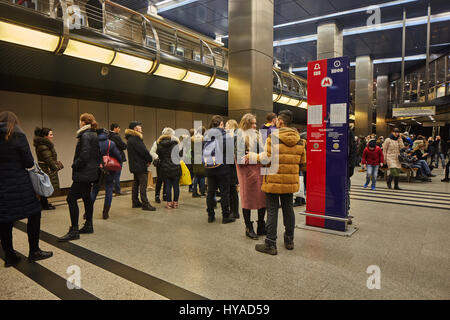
{"x":337,"y":141}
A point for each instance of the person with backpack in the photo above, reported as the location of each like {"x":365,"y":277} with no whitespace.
{"x":85,"y":171}
{"x":18,"y":198}
{"x":217,"y":168}
{"x":170,"y":169}
{"x":372,"y":158}
{"x":139,"y":159}
{"x":279,"y":187}
{"x":250,"y":178}
{"x":109,"y":149}
{"x":121,"y":146}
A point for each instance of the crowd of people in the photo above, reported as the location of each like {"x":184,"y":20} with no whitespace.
{"x":402,"y":150}
{"x":233,"y":161}
{"x":100,"y":153}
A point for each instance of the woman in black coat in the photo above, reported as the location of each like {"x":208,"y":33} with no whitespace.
{"x":170,"y":171}
{"x":17,"y":197}
{"x":85,"y":171}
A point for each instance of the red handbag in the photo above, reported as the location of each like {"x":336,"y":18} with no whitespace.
{"x":111,"y":163}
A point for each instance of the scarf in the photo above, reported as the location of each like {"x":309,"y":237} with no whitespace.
{"x":392,"y":137}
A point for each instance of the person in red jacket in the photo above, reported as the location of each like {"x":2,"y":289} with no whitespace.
{"x":372,"y":158}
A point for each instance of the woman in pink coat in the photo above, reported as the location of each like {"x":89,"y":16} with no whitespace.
{"x":249,"y":175}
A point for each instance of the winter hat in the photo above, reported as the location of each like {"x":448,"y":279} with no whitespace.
{"x":372,"y":143}
{"x":134,"y":124}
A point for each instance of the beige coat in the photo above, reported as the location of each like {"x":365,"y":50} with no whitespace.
{"x":391,"y":151}
{"x":291,"y":158}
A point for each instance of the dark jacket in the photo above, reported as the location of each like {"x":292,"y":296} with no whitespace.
{"x":431,"y":150}
{"x":224,"y":169}
{"x":167,"y":168}
{"x":103,"y":143}
{"x":122,"y":146}
{"x":47,"y":158}
{"x":197,"y":168}
{"x":138,"y":155}
{"x":17,"y":197}
{"x":87,"y":158}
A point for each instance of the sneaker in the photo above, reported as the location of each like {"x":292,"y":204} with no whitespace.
{"x":365,"y":186}
{"x":373,"y":188}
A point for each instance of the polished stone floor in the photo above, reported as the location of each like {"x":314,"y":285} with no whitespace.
{"x":176,"y":254}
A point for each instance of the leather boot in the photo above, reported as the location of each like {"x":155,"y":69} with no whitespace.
{"x":396,"y":180}
{"x":269,"y":247}
{"x":87,"y":228}
{"x":289,"y":242}
{"x":73,"y":234}
{"x":39,"y":255}
{"x":389,"y":181}
{"x":106,"y":211}
{"x":11,"y":260}
{"x":137,"y":205}
{"x":261,"y":230}
{"x":249,"y":232}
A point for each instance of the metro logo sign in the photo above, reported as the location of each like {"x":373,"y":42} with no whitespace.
{"x":327,"y":152}
{"x":326,"y":82}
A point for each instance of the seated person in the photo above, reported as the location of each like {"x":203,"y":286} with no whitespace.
{"x":419,"y":157}
{"x":409,"y":161}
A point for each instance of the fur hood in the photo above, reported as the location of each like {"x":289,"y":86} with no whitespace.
{"x":83,"y":129}
{"x":38,"y":141}
{"x":131,"y":132}
{"x":167,"y":138}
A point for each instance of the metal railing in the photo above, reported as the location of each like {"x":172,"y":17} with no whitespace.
{"x":415,"y":88}
{"x":110,"y":18}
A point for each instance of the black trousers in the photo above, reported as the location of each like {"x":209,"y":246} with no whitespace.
{"x":44,"y":202}
{"x":159,"y":183}
{"x":223,"y":183}
{"x":80,"y":190}
{"x":447,"y":169}
{"x":272,"y":201}
{"x":33,"y":230}
{"x":234,"y":200}
{"x":140,"y":186}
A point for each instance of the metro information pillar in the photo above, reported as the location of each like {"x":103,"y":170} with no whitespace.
{"x":327,"y":154}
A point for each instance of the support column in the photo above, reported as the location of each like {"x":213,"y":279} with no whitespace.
{"x":329,"y":40}
{"x":382,"y":105}
{"x":363,"y":95}
{"x":250,"y":61}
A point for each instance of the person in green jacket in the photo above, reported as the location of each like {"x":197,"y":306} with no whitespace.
{"x":47,"y":160}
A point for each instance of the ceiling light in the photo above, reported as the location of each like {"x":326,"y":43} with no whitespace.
{"x":220,"y":84}
{"x":445,"y":16}
{"x":28,"y":37}
{"x":284,"y":100}
{"x":275,"y":97}
{"x":170,"y":72}
{"x":294,"y":102}
{"x":79,"y":49}
{"x":127,"y":61}
{"x":172,"y":4}
{"x":197,"y":78}
{"x":303,"y":105}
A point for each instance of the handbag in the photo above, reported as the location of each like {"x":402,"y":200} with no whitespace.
{"x":111,"y":163}
{"x":185,"y":179}
{"x":301,"y":188}
{"x":40,"y":181}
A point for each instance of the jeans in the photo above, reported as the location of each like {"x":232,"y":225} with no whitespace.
{"x":200,"y":181}
{"x":80,"y":190}
{"x":109,"y":182}
{"x":33,"y":230}
{"x":140,"y":182}
{"x":287,"y":208}
{"x":116,"y":181}
{"x":372,"y":171}
{"x":172,"y":183}
{"x":223,"y":183}
{"x":423,"y":167}
{"x":437,"y":156}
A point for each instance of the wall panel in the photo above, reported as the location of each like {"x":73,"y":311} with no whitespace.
{"x":27,"y":107}
{"x":61,"y":114}
{"x":165,"y":118}
{"x":97,"y":108}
